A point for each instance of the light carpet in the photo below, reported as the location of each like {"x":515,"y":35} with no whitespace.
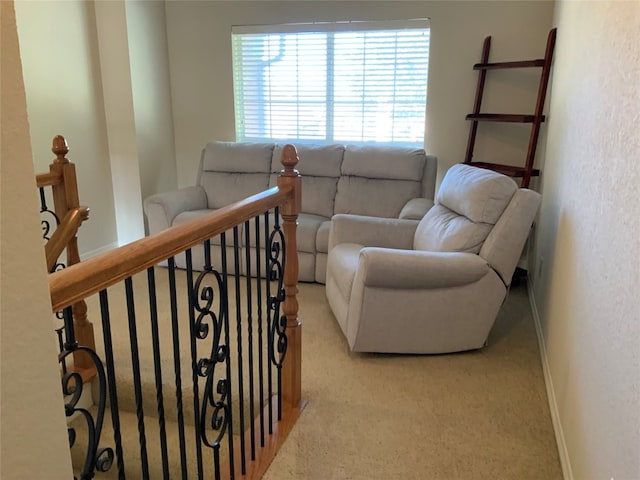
{"x":474,"y":415}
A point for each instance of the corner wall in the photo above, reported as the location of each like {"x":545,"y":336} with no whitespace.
{"x":63,"y":84}
{"x":33,"y":431}
{"x":97,"y":73}
{"x":586,"y":276}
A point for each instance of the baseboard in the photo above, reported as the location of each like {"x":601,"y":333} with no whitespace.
{"x":565,"y":461}
{"x":98,"y":251}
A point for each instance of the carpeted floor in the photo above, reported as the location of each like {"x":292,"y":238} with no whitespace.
{"x":474,"y":415}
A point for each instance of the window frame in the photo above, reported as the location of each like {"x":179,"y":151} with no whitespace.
{"x":422,"y":24}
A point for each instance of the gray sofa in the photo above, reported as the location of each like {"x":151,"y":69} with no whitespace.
{"x":388,"y":182}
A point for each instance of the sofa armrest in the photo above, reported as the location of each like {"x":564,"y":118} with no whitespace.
{"x":162,"y":208}
{"x":372,"y":231}
{"x":416,"y":208}
{"x":418,"y":269}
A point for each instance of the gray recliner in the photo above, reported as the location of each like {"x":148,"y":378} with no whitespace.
{"x":434,"y":285}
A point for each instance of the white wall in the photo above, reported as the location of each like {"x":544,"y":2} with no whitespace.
{"x":33,"y":434}
{"x":147,"y":33}
{"x":99,"y":75}
{"x":199,"y":35}
{"x":113,"y":52}
{"x":588,"y":236}
{"x":64,"y":96}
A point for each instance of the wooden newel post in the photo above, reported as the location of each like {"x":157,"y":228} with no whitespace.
{"x":65,"y":198}
{"x":290,"y":178}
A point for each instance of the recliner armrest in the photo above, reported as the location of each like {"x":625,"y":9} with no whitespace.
{"x":372,"y":231}
{"x":416,"y":208}
{"x":417,"y":269}
{"x":162,"y":208}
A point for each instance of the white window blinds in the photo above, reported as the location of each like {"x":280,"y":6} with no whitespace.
{"x":349,"y":82}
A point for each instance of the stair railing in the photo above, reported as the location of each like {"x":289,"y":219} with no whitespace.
{"x":59,"y":230}
{"x":206,"y":409}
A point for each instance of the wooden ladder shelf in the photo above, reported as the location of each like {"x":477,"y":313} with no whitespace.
{"x":527,"y":171}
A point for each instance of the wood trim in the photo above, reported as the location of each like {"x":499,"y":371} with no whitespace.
{"x":503,"y":65}
{"x":503,"y":117}
{"x":510,"y":170}
{"x":542,"y":92}
{"x":255,"y":469}
{"x":477,"y":104}
{"x":89,"y":277}
{"x":48,"y":179}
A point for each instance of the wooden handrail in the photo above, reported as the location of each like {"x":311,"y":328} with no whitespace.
{"x":63,"y":234}
{"x":95,"y":274}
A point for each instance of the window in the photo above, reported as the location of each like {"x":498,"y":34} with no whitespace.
{"x":345,"y":82}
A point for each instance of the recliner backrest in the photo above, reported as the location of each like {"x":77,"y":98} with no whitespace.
{"x":470,"y":201}
{"x":503,"y":247}
{"x":220,"y":164}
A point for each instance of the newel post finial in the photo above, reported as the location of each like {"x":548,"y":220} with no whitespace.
{"x":289,"y":161}
{"x":60,"y":148}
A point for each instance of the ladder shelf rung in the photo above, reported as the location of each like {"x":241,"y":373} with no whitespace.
{"x":509,"y":170}
{"x":539,"y":62}
{"x":503,"y":117}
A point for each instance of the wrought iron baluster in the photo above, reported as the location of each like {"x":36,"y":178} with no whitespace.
{"x":225,"y":282}
{"x":247,"y":242}
{"x":214,"y":413}
{"x":96,"y":458}
{"x":277,"y":333}
{"x":260,"y":333}
{"x":267,"y":259}
{"x":194,"y":359}
{"x":176,"y":366}
{"x":47,"y":229}
{"x":236,"y":259}
{"x":157,"y":366}
{"x":111,"y":377}
{"x":44,"y":209}
{"x":137,"y":382}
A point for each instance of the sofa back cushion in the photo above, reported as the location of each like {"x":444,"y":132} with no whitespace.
{"x":220,"y":164}
{"x":378,"y":181}
{"x":319,"y":166}
{"x":469,"y":203}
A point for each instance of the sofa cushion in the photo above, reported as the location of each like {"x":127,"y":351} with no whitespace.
{"x":225,"y":188}
{"x":221,"y":163}
{"x":237,"y":157}
{"x":306,"y":231}
{"x":384,"y":162}
{"x":318,"y":194}
{"x":319,"y":166}
{"x":314,"y":160}
{"x":379,"y":180}
{"x":374,"y":197}
{"x":322,"y":237}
